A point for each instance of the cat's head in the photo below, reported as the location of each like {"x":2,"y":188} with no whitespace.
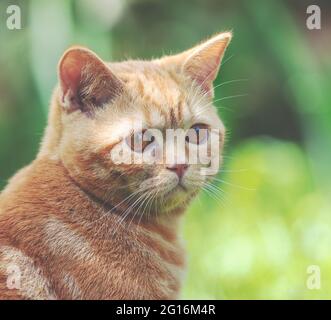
{"x":106,"y":113}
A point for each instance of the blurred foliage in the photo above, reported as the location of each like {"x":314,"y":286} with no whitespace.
{"x":268,"y":217}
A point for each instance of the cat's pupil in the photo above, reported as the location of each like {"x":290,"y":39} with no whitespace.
{"x":197,"y":130}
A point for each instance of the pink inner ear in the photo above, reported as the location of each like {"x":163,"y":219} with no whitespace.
{"x":71,"y":71}
{"x":86,"y":81}
{"x":204,"y":73}
{"x":206,"y":77}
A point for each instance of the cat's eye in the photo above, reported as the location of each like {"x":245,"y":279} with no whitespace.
{"x":138,"y":141}
{"x":197,"y":134}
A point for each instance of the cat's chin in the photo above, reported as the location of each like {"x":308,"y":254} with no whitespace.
{"x":178,"y":198}
{"x":179,"y":189}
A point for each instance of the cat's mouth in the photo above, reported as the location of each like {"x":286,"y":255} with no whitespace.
{"x":179,"y":188}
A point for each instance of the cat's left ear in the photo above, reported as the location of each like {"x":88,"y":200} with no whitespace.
{"x":203,"y":61}
{"x":86,"y":82}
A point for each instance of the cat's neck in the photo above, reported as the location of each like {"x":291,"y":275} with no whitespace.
{"x":73,"y":203}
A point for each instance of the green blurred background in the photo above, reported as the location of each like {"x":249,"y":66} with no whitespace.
{"x":268,"y":218}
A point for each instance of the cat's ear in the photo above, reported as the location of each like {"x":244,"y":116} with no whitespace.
{"x":86,"y":82}
{"x":203,"y":61}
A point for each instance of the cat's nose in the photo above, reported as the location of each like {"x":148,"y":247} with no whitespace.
{"x":179,"y":169}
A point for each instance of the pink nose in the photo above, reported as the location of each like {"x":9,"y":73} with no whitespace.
{"x":179,"y":169}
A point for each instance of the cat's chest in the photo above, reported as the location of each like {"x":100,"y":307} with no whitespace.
{"x":142,"y":267}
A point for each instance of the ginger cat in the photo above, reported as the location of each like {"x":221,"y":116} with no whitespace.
{"x":76,"y":225}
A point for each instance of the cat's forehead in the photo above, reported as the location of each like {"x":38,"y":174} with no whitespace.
{"x":150,"y":80}
{"x":159,"y":94}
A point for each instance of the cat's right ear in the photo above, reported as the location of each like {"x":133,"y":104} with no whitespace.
{"x":86,"y":82}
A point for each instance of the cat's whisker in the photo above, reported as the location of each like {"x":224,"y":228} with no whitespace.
{"x":215,"y":187}
{"x":149,"y":199}
{"x":219,"y":194}
{"x":155,"y":195}
{"x":202,"y":111}
{"x":107,"y":213}
{"x":205,"y":107}
{"x":108,"y":191}
{"x":140,"y":201}
{"x":159,"y":190}
{"x":190,"y":93}
{"x":150,"y":203}
{"x":234,"y":185}
{"x":232,"y":97}
{"x":226,"y":60}
{"x":218,"y":86}
{"x":212,"y":190}
{"x":233,"y":171}
{"x":127,"y":212}
{"x":211,"y":194}
{"x":130,"y":207}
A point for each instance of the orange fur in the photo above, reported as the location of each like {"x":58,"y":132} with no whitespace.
{"x":62,"y":218}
